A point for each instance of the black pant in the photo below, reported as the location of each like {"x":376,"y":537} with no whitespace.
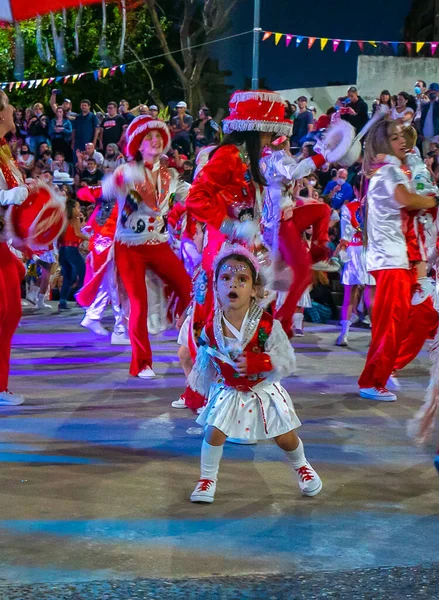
{"x":73,"y":271}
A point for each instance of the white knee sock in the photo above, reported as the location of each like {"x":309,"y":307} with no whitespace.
{"x":298,"y":320}
{"x":296,"y":457}
{"x":210,"y":460}
{"x":345,"y":327}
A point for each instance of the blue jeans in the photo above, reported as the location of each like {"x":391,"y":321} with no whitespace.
{"x":73,"y":271}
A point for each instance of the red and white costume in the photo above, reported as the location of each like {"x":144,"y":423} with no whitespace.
{"x":399,"y":329}
{"x":283,"y":233}
{"x":142,"y":238}
{"x":101,"y":286}
{"x":12,"y":192}
{"x":354,"y":269}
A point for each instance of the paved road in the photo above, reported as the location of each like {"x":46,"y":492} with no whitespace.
{"x":96,"y":470}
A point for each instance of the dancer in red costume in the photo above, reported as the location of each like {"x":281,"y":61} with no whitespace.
{"x":227,"y":194}
{"x":285,"y":221}
{"x":144,"y":190}
{"x":399,"y":328}
{"x":13,"y":191}
{"x":101,"y":283}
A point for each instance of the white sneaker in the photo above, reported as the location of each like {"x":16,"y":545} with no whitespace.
{"x":204,"y":491}
{"x":94,"y":326}
{"x":241,"y":441}
{"x":393,"y":382}
{"x":298,"y":333}
{"x":120,"y":339}
{"x":309,"y":482}
{"x":374,"y":393}
{"x":147,"y":373}
{"x":40,"y":302}
{"x":366,"y":321}
{"x":9,"y":399}
{"x":354,"y":319}
{"x":180,"y":403}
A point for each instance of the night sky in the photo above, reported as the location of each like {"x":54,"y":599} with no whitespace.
{"x":292,"y":67}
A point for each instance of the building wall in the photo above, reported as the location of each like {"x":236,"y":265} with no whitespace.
{"x":422,"y":23}
{"x":374,"y":73}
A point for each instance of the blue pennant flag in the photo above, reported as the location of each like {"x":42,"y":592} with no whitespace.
{"x":347,"y":45}
{"x":96,"y":75}
{"x":395,"y":47}
{"x":299,"y":38}
{"x":123,"y":68}
{"x":58,"y":79}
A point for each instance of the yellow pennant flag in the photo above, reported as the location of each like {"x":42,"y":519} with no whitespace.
{"x":277,"y":38}
{"x":323,"y":42}
{"x":17,"y":85}
{"x":419,"y":45}
{"x":45,"y":81}
{"x":75,"y":77}
{"x":105,"y":72}
{"x":374,"y":44}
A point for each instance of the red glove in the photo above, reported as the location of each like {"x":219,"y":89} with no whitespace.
{"x":258,"y":363}
{"x":193,"y":399}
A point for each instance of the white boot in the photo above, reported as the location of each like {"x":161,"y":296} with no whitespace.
{"x":9,"y":399}
{"x":298,"y":324}
{"x":342,"y":339}
{"x":120,"y":339}
{"x":41,"y":303}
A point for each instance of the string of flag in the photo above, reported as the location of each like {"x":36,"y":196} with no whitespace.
{"x":98,"y":74}
{"x":336,"y":42}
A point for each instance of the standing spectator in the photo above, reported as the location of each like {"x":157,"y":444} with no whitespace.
{"x":143,"y":109}
{"x":20,"y":123}
{"x":85,"y":127}
{"x":420,"y":90}
{"x":91,"y":175}
{"x":429,"y":125}
{"x":356,"y":112}
{"x":113,"y":158}
{"x":60,"y":132}
{"x":112,"y":127}
{"x":38,"y":128}
{"x":154,"y":111}
{"x":339,"y":190}
{"x":181,"y":126}
{"x":25,"y":160}
{"x":124,"y":111}
{"x":89,"y":152}
{"x":404,"y":111}
{"x":204,"y":127}
{"x":303,"y":122}
{"x":383,"y":100}
{"x":66,"y":106}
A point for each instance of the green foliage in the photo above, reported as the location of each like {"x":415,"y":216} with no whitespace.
{"x":134,"y":85}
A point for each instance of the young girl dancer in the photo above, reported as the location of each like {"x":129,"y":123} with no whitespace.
{"x":243,"y":354}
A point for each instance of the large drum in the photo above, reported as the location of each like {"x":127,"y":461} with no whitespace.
{"x":40,"y":219}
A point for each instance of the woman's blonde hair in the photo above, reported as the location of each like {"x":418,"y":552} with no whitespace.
{"x":410,"y":136}
{"x":378,"y":142}
{"x":3,"y":100}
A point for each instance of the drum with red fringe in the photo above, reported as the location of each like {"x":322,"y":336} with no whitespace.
{"x":40,"y":219}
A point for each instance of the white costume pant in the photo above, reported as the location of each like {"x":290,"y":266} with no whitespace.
{"x":108,"y":292}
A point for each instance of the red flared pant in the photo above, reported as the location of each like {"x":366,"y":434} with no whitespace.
{"x":399,"y":330}
{"x":297,"y":256}
{"x":132,"y":263}
{"x":12,"y":272}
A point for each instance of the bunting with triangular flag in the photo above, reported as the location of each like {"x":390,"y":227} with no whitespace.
{"x":323,"y":42}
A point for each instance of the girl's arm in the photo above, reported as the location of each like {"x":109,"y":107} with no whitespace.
{"x":413,"y":201}
{"x":77,"y":229}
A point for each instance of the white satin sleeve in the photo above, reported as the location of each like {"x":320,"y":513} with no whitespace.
{"x":203,"y":372}
{"x":281,"y":354}
{"x":16,"y":195}
{"x":347,"y":230}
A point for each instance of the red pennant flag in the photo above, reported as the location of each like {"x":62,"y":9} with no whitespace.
{"x":361,"y":45}
{"x":408,"y":45}
{"x":267,"y":35}
{"x":311,"y":41}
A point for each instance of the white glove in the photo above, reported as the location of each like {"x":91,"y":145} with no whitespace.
{"x":16,"y":196}
{"x":246,"y":231}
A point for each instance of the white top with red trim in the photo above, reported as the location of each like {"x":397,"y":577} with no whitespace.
{"x":386,"y":242}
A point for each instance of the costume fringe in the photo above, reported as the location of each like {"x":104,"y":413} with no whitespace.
{"x":230,"y":125}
